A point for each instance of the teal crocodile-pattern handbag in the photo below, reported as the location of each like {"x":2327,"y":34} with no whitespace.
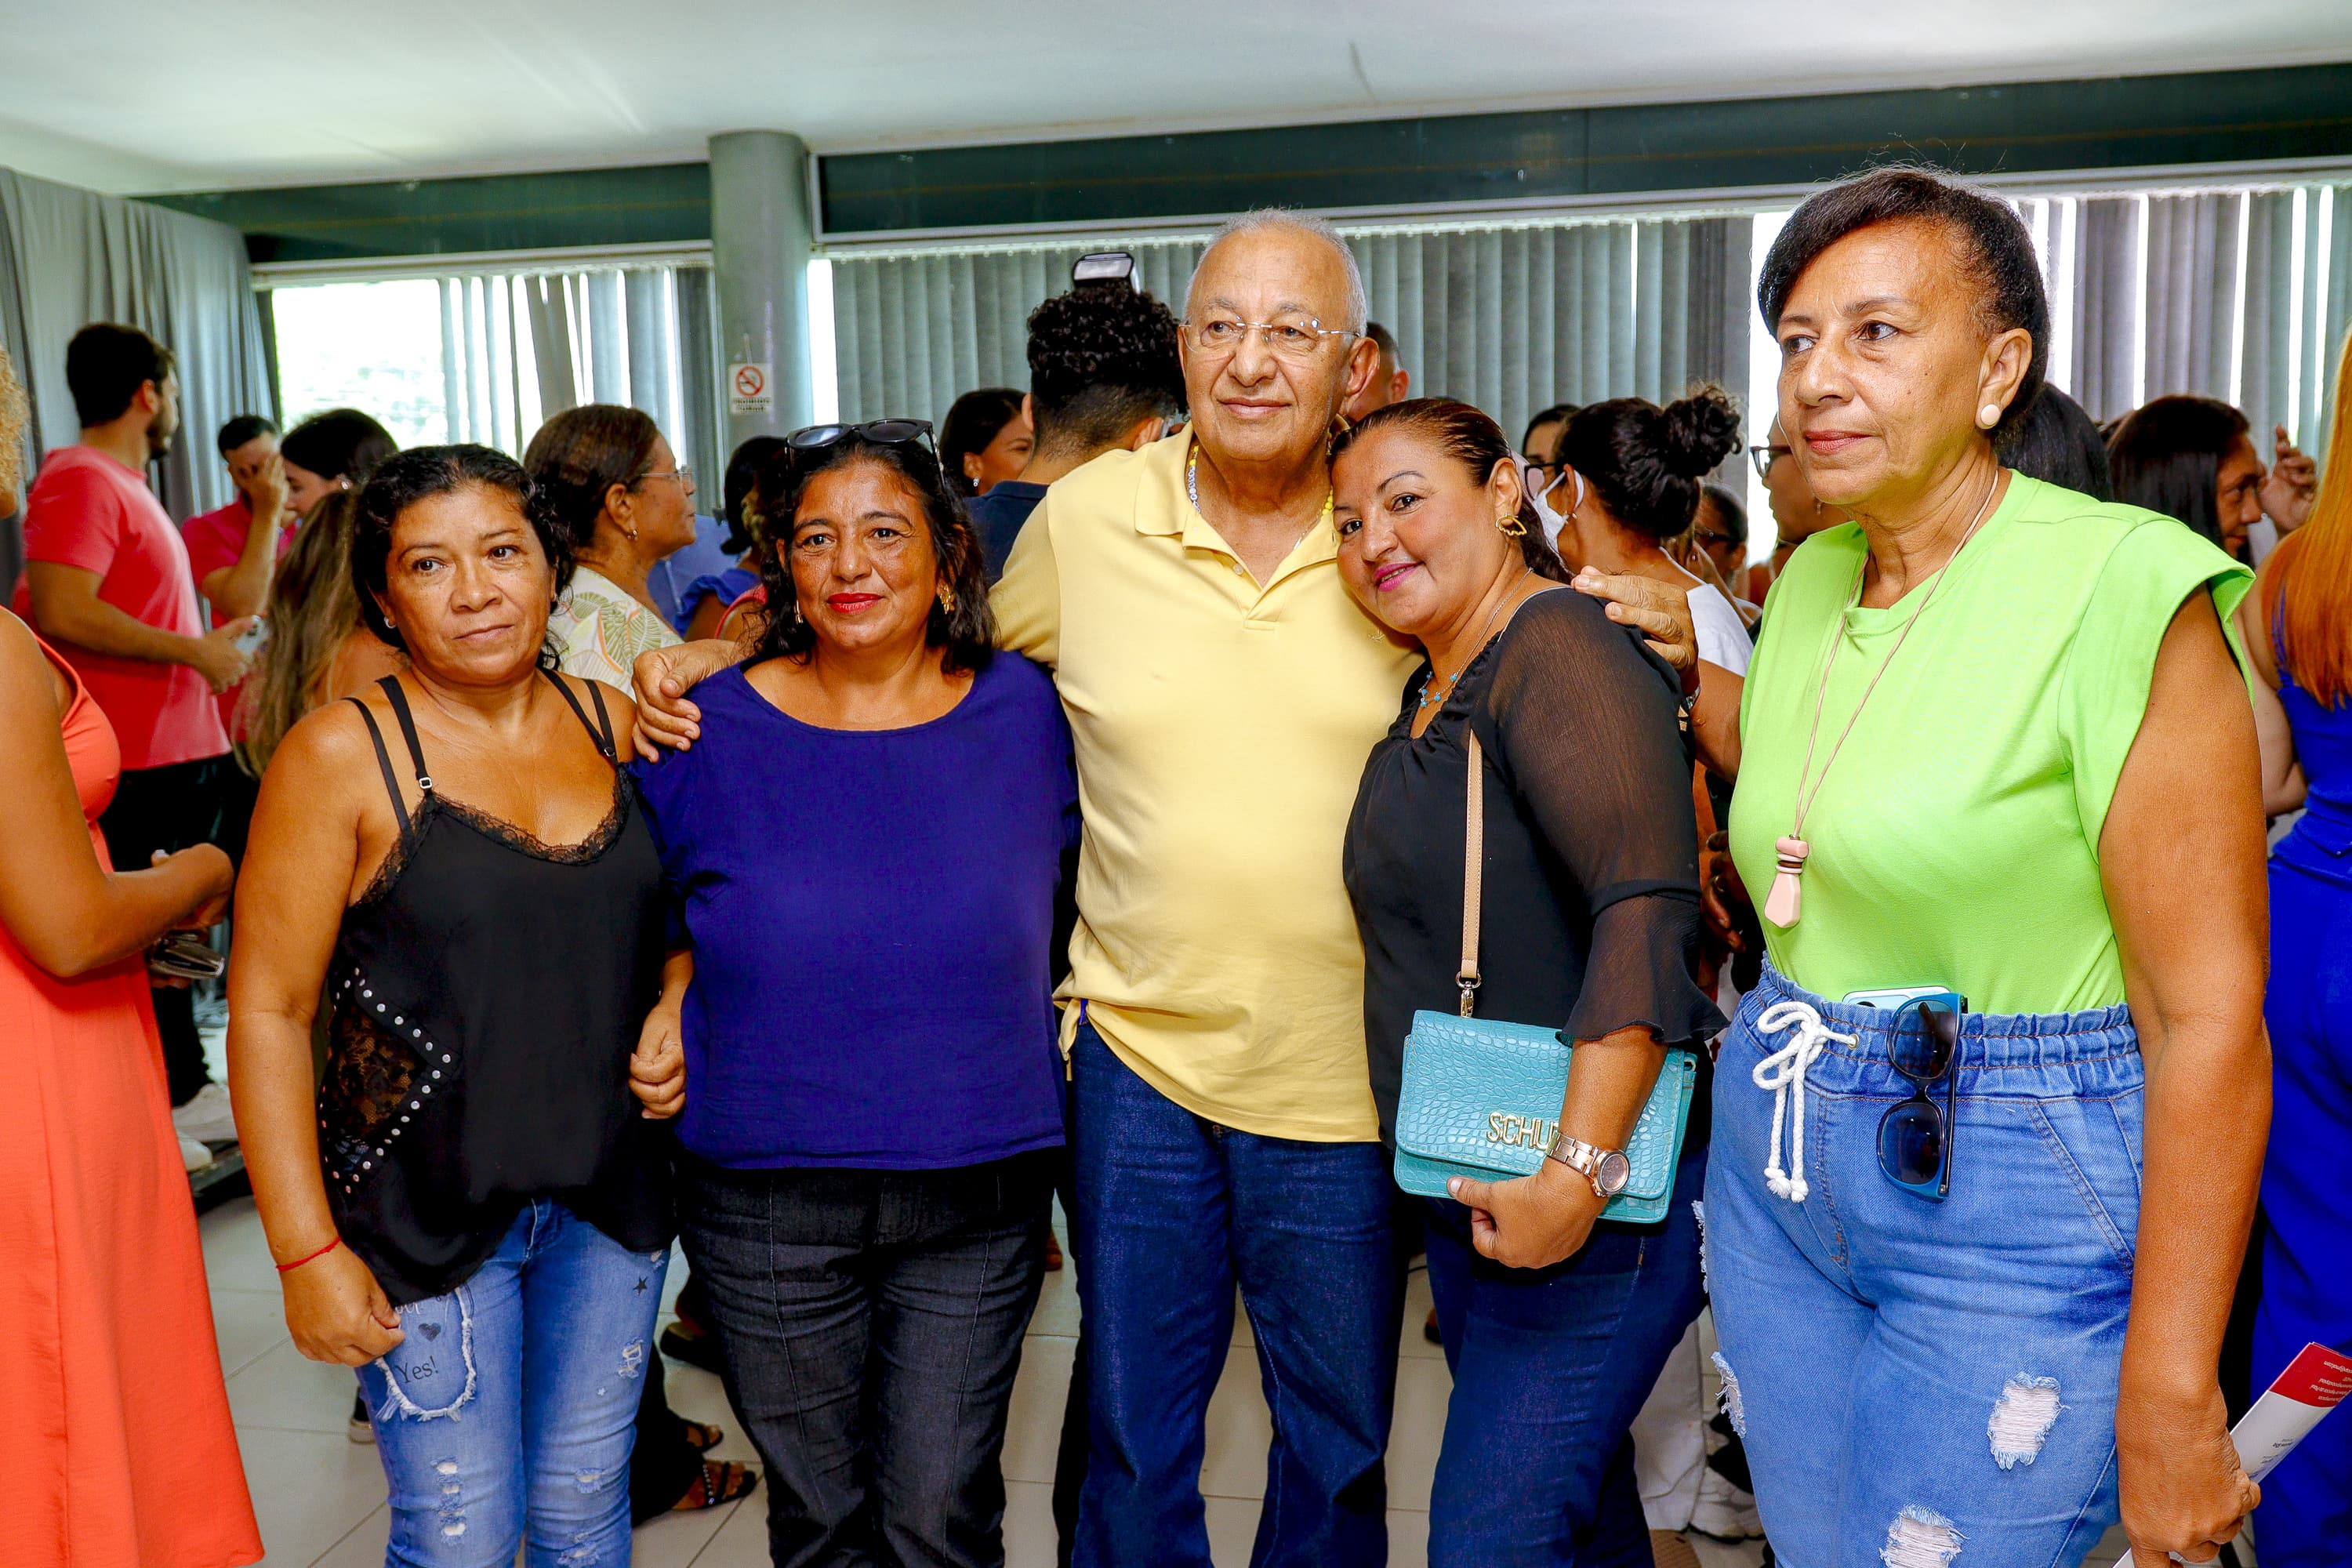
{"x":1481,"y":1099}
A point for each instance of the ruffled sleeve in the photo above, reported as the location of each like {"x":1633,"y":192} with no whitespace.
{"x":1580,"y":723}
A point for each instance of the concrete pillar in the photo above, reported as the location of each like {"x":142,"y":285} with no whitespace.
{"x":760,"y":242}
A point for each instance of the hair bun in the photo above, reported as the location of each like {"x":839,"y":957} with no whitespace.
{"x":1699,"y":431}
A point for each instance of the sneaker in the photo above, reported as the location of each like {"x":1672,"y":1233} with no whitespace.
{"x":362,"y":1430}
{"x":193,"y":1155}
{"x":205,"y":1117}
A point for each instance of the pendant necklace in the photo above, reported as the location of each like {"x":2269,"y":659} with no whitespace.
{"x":1785,"y":904}
{"x":1429,"y":695}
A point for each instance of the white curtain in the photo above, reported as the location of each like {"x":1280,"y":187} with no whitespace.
{"x":518,"y":347}
{"x":1512,"y":318}
{"x":70,"y":257}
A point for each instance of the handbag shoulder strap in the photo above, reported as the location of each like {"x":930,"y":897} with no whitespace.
{"x":1473,"y":860}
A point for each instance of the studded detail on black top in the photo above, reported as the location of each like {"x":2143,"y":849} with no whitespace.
{"x":484,"y":997}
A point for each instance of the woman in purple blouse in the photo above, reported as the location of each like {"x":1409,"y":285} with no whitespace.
{"x":864,"y":846}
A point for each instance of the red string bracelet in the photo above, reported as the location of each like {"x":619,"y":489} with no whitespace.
{"x":289,"y":1268}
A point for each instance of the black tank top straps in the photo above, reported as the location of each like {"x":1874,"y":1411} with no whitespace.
{"x":484,"y":997}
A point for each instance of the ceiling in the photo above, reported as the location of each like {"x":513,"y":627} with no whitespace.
{"x":158,"y":95}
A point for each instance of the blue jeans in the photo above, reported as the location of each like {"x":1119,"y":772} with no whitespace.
{"x":1913,"y":1376}
{"x":2306,"y":1518}
{"x":506,"y":1415}
{"x":1550,"y":1366}
{"x":1173,"y":1211}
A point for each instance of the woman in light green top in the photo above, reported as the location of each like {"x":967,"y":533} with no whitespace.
{"x":1996,"y":743}
{"x":606,"y":478}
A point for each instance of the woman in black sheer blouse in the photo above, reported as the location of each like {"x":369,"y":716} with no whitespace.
{"x":1555,"y":1326}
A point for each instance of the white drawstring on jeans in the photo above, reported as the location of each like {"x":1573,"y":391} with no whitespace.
{"x":1780,"y":1072}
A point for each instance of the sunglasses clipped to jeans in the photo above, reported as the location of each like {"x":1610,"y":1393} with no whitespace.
{"x":1914,"y":1136}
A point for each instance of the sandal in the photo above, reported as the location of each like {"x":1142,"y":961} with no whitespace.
{"x":702,"y":1438}
{"x":721,"y":1481}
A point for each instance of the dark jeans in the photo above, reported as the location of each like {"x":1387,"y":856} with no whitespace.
{"x":169,"y":808}
{"x":871,"y":1324}
{"x":1173,"y":1211}
{"x":1550,"y":1366}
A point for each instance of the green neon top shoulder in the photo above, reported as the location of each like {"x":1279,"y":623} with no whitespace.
{"x":1954,"y":841}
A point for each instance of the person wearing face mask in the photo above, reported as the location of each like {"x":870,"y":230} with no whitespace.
{"x":625,"y":502}
{"x":1627,"y":482}
{"x":1555,"y":1326}
{"x":2193,"y":458}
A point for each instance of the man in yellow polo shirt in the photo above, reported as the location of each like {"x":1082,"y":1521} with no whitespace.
{"x":1224,"y":692}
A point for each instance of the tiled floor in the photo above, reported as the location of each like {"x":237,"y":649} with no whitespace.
{"x":321,"y":1497}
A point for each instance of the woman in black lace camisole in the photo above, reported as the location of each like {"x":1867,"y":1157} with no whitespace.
{"x":471,"y":1211}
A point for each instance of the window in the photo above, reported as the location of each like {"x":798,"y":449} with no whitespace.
{"x":486,"y":356}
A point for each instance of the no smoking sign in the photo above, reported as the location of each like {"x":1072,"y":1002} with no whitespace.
{"x":749,"y":389}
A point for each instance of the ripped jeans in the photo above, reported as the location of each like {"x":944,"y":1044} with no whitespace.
{"x":1925,"y":1383}
{"x":505,"y":1416}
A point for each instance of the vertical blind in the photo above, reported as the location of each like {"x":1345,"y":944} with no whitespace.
{"x":1512,"y":318}
{"x":518,"y":347}
{"x":2242,"y":295}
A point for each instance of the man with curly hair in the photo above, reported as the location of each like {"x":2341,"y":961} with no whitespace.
{"x":1103,"y":376}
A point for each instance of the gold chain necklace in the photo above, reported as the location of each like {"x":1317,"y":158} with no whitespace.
{"x":1785,"y":904}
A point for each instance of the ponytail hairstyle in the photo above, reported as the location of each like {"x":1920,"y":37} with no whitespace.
{"x":340,"y":443}
{"x":311,"y":609}
{"x":2308,"y":596}
{"x":1478,"y":445}
{"x":576,"y":460}
{"x":1645,"y":462}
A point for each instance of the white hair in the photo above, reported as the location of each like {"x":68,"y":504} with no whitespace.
{"x":1261,"y":220}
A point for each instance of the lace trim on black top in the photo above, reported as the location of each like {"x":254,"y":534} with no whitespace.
{"x":382,"y":1072}
{"x":499,"y":831}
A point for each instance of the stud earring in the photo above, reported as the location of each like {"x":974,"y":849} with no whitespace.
{"x":947,"y":599}
{"x":1988,"y":416}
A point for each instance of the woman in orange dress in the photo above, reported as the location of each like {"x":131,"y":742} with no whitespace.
{"x":115,"y":1444}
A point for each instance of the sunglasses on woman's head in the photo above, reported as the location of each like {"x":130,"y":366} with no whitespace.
{"x":879,"y":432}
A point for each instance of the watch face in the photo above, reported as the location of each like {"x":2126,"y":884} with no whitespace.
{"x":1612,"y":1172}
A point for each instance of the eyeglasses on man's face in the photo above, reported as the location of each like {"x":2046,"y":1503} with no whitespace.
{"x":1291,"y":337}
{"x":1761,"y":457}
